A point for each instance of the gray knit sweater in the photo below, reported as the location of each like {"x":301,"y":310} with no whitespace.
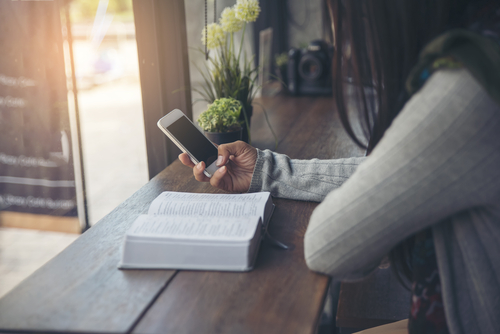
{"x":438,"y":166}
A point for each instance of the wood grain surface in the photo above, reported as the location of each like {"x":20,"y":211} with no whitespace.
{"x":281,"y":295}
{"x":81,"y":290}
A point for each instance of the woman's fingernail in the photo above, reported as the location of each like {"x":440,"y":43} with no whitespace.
{"x":219,"y":160}
{"x":199,"y":166}
{"x":222,"y":170}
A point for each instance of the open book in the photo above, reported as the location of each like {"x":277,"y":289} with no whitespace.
{"x":198,"y":231}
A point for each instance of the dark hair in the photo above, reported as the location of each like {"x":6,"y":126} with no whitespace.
{"x":377,"y":43}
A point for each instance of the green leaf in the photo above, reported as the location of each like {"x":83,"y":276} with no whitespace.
{"x":221,"y":116}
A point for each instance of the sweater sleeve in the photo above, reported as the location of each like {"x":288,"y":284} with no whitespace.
{"x":438,"y":158}
{"x":307,"y":180}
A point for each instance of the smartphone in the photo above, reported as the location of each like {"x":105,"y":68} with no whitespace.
{"x":189,"y":140}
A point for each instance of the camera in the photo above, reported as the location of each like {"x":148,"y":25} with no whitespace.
{"x":310,"y":70}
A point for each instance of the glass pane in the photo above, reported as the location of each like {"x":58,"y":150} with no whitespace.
{"x":37,"y":181}
{"x":38,"y":186}
{"x":109,"y":101}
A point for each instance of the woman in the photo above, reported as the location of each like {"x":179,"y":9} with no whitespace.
{"x":428,"y":192}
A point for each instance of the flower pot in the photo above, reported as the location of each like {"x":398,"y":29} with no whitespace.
{"x":224,"y":137}
{"x":244,"y":134}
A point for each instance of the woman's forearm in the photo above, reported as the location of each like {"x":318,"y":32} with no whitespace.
{"x":307,"y":180}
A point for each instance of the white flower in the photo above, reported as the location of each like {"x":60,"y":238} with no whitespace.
{"x":229,"y":21}
{"x":247,"y":10}
{"x":215,"y":36}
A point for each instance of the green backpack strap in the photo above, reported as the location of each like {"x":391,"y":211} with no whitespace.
{"x":455,"y":49}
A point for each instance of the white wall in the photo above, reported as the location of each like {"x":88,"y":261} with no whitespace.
{"x":304,"y":21}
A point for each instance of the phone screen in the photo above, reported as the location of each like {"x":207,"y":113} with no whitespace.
{"x":193,"y":140}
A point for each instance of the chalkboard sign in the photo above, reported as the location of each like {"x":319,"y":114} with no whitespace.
{"x":36,"y":162}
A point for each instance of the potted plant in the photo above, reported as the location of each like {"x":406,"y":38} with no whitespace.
{"x":221,"y":121}
{"x":228,"y":72}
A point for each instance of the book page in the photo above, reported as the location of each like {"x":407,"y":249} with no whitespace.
{"x":209,"y":205}
{"x":194,"y":228}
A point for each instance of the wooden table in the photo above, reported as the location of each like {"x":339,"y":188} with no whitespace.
{"x":81,"y":289}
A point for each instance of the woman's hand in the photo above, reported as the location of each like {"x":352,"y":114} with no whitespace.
{"x":237,"y":160}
